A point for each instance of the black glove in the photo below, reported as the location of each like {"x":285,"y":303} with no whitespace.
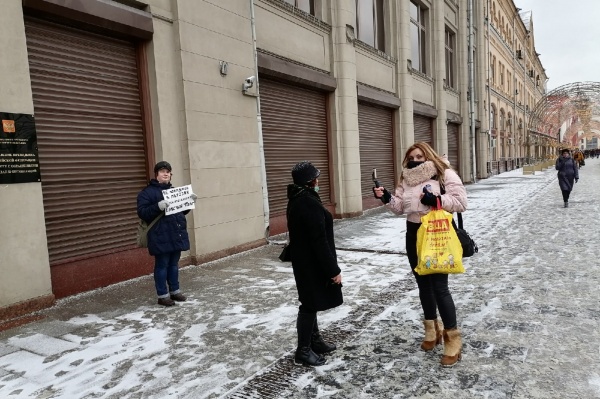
{"x":430,"y":200}
{"x":576,"y":180}
{"x":385,"y":198}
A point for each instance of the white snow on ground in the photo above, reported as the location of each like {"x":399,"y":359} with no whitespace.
{"x":134,"y":350}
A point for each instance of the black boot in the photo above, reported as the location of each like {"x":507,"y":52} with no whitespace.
{"x":304,"y":354}
{"x":317,"y":344}
{"x":306,"y":357}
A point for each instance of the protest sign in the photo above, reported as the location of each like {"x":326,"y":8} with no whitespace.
{"x":179,"y":199}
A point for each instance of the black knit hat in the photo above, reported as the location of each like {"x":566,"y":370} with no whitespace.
{"x":304,"y":172}
{"x":162,"y":165}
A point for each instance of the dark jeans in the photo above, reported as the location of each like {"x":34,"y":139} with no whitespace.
{"x":566,"y":195}
{"x":433,"y":288}
{"x":166,"y":272}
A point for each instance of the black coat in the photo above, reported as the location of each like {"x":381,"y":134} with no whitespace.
{"x":169,"y":234}
{"x":567,"y":172}
{"x":313,"y":254}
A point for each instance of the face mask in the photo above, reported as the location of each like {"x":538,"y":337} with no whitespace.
{"x":316,"y":188}
{"x":413,"y":164}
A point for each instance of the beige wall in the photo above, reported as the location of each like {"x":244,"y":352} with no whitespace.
{"x":302,"y":42}
{"x":220,"y":135}
{"x":375,"y":71}
{"x":24,"y":261}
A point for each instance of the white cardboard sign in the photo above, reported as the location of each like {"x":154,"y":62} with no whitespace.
{"x":179,"y":199}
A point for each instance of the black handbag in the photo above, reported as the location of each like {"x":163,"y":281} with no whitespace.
{"x":286,"y":253}
{"x":469,"y":246}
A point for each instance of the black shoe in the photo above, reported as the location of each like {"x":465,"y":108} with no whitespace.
{"x":566,"y":204}
{"x":179,"y":297}
{"x":166,"y":301}
{"x":319,"y":346}
{"x":306,"y":357}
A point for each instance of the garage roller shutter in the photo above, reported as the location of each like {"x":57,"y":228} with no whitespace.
{"x":423,"y":129}
{"x":453,"y":157}
{"x":90,"y":138}
{"x":376,"y":147}
{"x":294,"y":124}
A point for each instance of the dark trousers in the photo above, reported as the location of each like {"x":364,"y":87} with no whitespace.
{"x":166,"y":273}
{"x":306,"y":323}
{"x":433,"y":289}
{"x":566,"y":195}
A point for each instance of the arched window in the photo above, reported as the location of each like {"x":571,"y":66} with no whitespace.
{"x":509,"y":122}
{"x":493,"y":123}
{"x":502,"y":120}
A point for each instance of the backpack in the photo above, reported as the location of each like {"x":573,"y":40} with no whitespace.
{"x":142,"y":232}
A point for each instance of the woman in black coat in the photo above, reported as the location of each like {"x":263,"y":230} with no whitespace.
{"x":167,"y":238}
{"x":314,"y":261}
{"x":568,"y":171}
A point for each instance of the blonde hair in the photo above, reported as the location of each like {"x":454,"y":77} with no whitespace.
{"x":430,"y":155}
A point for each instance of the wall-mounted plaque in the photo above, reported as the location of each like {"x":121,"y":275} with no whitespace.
{"x":19,"y":161}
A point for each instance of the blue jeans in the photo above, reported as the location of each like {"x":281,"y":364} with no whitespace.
{"x":166,"y":272}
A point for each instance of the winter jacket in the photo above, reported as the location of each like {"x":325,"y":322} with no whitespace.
{"x":169,"y":234}
{"x":407,"y":198}
{"x":314,"y":259}
{"x":567,"y":172}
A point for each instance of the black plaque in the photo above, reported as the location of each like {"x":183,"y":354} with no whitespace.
{"x":19,"y":161}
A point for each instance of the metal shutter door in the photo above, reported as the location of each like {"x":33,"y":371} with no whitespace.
{"x":423,"y":129}
{"x":294,"y":125}
{"x":376,"y":147}
{"x":453,"y":145}
{"x":90,"y":137}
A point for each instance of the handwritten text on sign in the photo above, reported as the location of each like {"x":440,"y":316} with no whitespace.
{"x":179,"y":199}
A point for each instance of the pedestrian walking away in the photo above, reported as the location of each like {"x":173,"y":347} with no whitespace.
{"x":167,"y":238}
{"x":314,"y":262}
{"x":426,"y":179}
{"x":568,"y":172}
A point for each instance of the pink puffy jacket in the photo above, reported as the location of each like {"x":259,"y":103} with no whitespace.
{"x":407,"y":198}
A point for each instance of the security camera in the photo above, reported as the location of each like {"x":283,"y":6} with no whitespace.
{"x":248,"y":83}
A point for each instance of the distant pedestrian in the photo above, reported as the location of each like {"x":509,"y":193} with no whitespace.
{"x":422,"y":168}
{"x":167,"y":238}
{"x":314,"y":261}
{"x":579,"y":158}
{"x":568,"y":171}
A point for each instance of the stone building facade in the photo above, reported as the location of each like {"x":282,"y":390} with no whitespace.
{"x":517,"y":81}
{"x":233,"y":94}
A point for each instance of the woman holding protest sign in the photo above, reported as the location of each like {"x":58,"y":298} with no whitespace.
{"x":167,"y":237}
{"x":426,"y":179}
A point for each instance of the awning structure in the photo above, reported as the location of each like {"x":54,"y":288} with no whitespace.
{"x":568,"y":113}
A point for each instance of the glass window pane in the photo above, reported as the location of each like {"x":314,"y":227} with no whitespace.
{"x":414,"y":45}
{"x":305,"y":5}
{"x":414,"y":12}
{"x":366,"y":29}
{"x":422,"y":45}
{"x":379,"y":28}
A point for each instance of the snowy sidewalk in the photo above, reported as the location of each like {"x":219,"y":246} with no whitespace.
{"x":527,"y":307}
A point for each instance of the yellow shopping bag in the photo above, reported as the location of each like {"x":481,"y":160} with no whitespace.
{"x":438,"y":246}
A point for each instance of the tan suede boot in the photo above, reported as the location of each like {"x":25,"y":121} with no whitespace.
{"x":433,"y":334}
{"x":452,"y":347}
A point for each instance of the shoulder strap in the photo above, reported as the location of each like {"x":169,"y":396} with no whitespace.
{"x":460,"y":219}
{"x":155,"y":220}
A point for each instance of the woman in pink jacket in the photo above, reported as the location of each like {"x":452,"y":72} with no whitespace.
{"x":425,"y":179}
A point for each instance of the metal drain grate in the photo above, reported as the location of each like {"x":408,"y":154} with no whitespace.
{"x":278,"y":377}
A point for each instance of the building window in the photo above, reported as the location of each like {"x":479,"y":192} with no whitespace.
{"x":307,"y":6}
{"x":450,"y":61}
{"x":418,"y":37}
{"x":502,"y":120}
{"x":493,"y":70}
{"x":493,"y":124}
{"x":369,"y":23}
